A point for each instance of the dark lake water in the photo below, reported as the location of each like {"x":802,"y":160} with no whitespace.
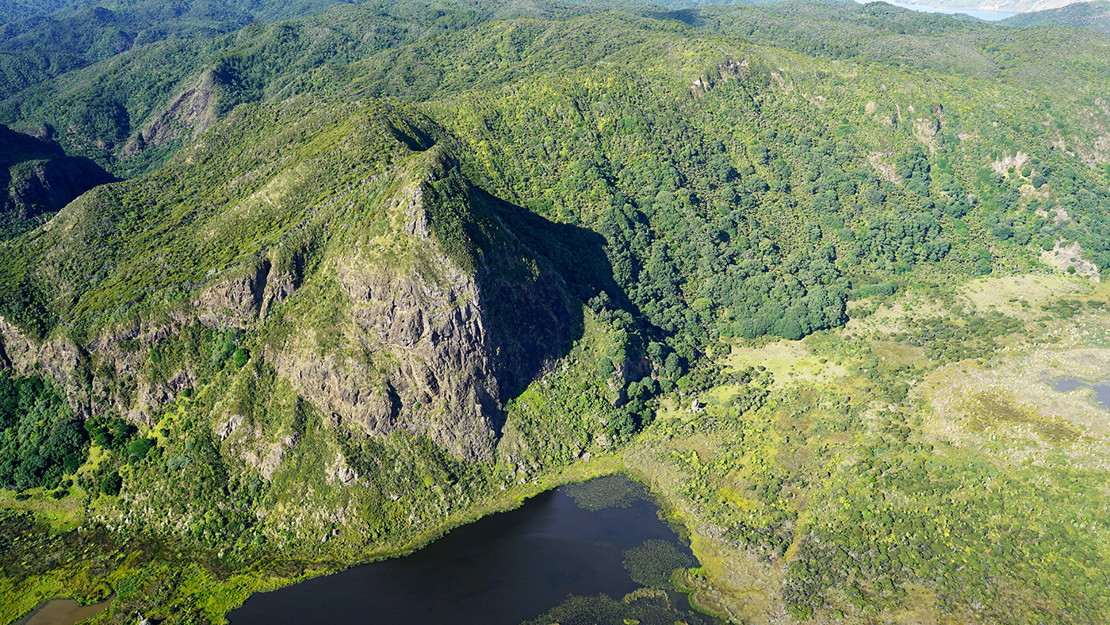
{"x":584,"y":540}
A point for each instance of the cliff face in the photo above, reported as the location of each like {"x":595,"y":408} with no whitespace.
{"x":434,"y":347}
{"x":190,"y":113}
{"x":396,"y":300}
{"x":37,"y":178}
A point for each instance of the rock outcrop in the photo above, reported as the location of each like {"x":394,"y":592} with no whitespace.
{"x":190,"y":113}
{"x":437,"y":350}
{"x":401,"y":300}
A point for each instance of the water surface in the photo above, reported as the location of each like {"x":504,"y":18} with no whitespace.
{"x":62,"y":612}
{"x":991,"y":16}
{"x":503,"y":569}
{"x":1067,"y":385}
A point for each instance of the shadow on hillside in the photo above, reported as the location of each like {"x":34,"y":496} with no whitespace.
{"x":48,"y":180}
{"x":535,"y":323}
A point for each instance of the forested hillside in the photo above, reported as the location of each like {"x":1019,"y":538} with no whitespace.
{"x":123,"y":89}
{"x":1016,"y":6}
{"x":383,"y":268}
{"x":44,"y":40}
{"x":1092,"y":15}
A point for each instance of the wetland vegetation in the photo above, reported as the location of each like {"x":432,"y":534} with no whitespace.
{"x":372,"y":273}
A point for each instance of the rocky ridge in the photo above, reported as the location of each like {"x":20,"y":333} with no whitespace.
{"x":436,"y":315}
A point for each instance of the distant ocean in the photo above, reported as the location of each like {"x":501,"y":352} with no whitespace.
{"x":990,"y":16}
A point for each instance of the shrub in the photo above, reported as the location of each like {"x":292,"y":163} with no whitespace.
{"x":111,"y":484}
{"x":139,"y":448}
{"x":240,"y":358}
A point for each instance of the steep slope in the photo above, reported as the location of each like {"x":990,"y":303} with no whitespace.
{"x":426,"y":314}
{"x":331,"y":323}
{"x":122,"y":88}
{"x":39,"y":179}
{"x":43,"y":40}
{"x":309,"y":322}
{"x":14,"y":10}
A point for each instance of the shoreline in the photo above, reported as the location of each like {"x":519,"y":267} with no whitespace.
{"x":959,"y":9}
{"x":924,"y":7}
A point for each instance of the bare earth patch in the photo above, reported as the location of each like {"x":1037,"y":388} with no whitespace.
{"x":880,"y":161}
{"x":1004,"y":164}
{"x":1064,"y":257}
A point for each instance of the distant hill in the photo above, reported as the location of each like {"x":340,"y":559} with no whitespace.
{"x":690,"y":4}
{"x":88,"y":73}
{"x":178,"y":13}
{"x":11,"y":10}
{"x":40,"y":41}
{"x":1090,"y":15}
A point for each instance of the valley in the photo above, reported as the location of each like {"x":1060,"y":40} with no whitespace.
{"x":283,"y":292}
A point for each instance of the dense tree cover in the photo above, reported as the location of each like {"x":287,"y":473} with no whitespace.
{"x":122,"y":69}
{"x":696,"y":174}
{"x":352,"y":48}
{"x":153,"y":212}
{"x":689,"y":176}
{"x":422,"y":53}
{"x":42,"y":40}
{"x":340,"y":164}
{"x":41,"y":440}
{"x":697,"y":187}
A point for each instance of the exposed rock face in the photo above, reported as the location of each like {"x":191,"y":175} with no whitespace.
{"x":433,"y":327}
{"x":1065,"y":257}
{"x":66,"y":362}
{"x":439,"y":351}
{"x":189,"y":114}
{"x":236,"y":302}
{"x":402,"y":301}
{"x":339,"y":472}
{"x":1003,"y":165}
{"x":727,"y":70}
{"x":59,"y":358}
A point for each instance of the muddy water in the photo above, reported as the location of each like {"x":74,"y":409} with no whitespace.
{"x":62,"y":612}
